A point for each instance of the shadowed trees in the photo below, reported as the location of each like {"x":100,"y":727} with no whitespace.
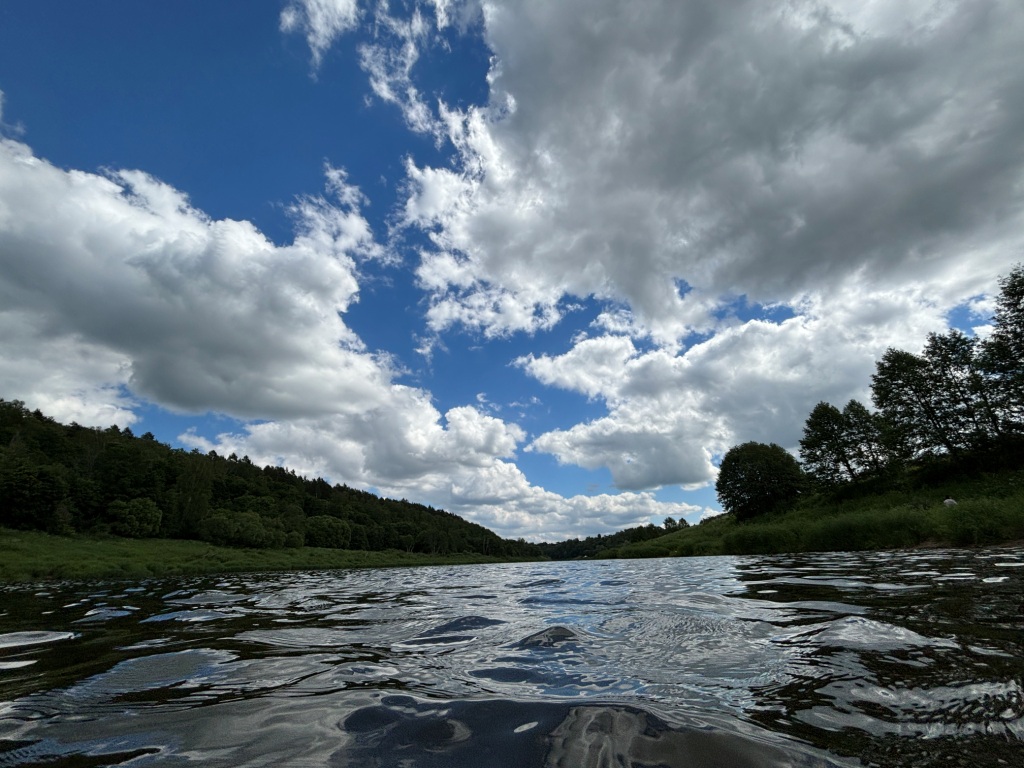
{"x":959,"y":403}
{"x":961,"y":398}
{"x":72,"y":479}
{"x":1002,"y":354}
{"x":755,"y":478}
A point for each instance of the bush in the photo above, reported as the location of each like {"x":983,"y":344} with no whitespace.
{"x":238,"y":529}
{"x":135,"y":519}
{"x":327,"y":531}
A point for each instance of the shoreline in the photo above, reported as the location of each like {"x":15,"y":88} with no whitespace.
{"x":33,"y":556}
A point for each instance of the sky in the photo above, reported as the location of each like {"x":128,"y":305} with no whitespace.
{"x":540,"y":264}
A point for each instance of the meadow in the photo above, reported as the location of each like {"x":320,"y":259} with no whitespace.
{"x":35,"y":556}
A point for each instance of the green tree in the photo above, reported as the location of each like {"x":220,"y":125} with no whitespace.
{"x":135,"y":519}
{"x":1002,"y":354}
{"x":841,"y":446}
{"x":904,"y":392}
{"x":755,"y":478}
{"x":869,"y":438}
{"x":825,"y":448}
{"x":327,"y":531}
{"x":29,"y":494}
{"x":960,"y":391}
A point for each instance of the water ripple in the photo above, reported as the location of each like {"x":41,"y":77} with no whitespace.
{"x":777,"y":660}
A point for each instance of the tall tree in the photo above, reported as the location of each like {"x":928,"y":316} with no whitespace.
{"x":755,"y":478}
{"x":903,"y":391}
{"x":959,"y":390}
{"x":869,"y":437}
{"x":825,"y":447}
{"x":1002,"y":354}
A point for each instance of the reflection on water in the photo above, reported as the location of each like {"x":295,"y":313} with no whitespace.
{"x":890,"y":659}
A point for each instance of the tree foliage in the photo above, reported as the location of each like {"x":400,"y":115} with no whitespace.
{"x":1002,"y":354}
{"x":755,"y":478}
{"x":825,"y":446}
{"x":961,"y":400}
{"x":841,"y":446}
{"x":68,"y":478}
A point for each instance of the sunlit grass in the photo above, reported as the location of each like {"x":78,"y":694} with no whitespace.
{"x":34,"y":556}
{"x":989,"y":510}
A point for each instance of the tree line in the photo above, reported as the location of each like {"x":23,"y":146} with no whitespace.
{"x":67,"y":479}
{"x":595,"y":546}
{"x":959,"y":403}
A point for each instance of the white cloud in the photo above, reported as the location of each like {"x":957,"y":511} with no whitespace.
{"x":68,"y":379}
{"x":856,"y":165}
{"x":322,"y":21}
{"x":389,"y":62}
{"x":753,"y":149}
{"x":115,"y":289}
{"x":671,"y":415}
{"x":204,"y":314}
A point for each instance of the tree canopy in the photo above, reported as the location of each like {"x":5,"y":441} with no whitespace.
{"x":68,"y":479}
{"x":755,"y":478}
{"x":960,"y":399}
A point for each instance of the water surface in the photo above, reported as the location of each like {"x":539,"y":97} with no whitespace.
{"x":890,"y":659}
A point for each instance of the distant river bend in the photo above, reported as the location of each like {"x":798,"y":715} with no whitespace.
{"x":889,"y":659}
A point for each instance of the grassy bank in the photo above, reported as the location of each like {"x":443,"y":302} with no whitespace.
{"x":990,"y":510}
{"x":33,"y":556}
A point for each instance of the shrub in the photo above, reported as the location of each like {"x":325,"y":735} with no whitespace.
{"x":135,"y":519}
{"x":327,"y":531}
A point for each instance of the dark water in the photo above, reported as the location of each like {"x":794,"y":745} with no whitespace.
{"x":890,"y":659}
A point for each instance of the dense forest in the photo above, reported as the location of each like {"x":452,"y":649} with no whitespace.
{"x":67,"y":479}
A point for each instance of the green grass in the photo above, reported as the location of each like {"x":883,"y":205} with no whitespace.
{"x":990,"y":510}
{"x":34,"y":556}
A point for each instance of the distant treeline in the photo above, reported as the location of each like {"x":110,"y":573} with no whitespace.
{"x":596,"y":546}
{"x":67,"y":479}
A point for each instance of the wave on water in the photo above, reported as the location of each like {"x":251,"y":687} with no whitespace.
{"x":813,"y":660}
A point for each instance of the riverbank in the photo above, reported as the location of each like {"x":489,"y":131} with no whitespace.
{"x":989,"y":511}
{"x":33,"y":556}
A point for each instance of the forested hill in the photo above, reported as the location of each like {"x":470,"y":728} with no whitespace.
{"x":67,"y":479}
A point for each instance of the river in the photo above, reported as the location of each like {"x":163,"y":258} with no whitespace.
{"x":891,"y":659}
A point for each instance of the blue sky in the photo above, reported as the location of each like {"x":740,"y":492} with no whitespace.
{"x":539,"y":264}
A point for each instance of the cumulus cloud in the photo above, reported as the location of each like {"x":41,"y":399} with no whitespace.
{"x":115,"y":290}
{"x":676,"y":155}
{"x":671,"y":416}
{"x":203,"y":314}
{"x":67,"y":378}
{"x":854,"y":166}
